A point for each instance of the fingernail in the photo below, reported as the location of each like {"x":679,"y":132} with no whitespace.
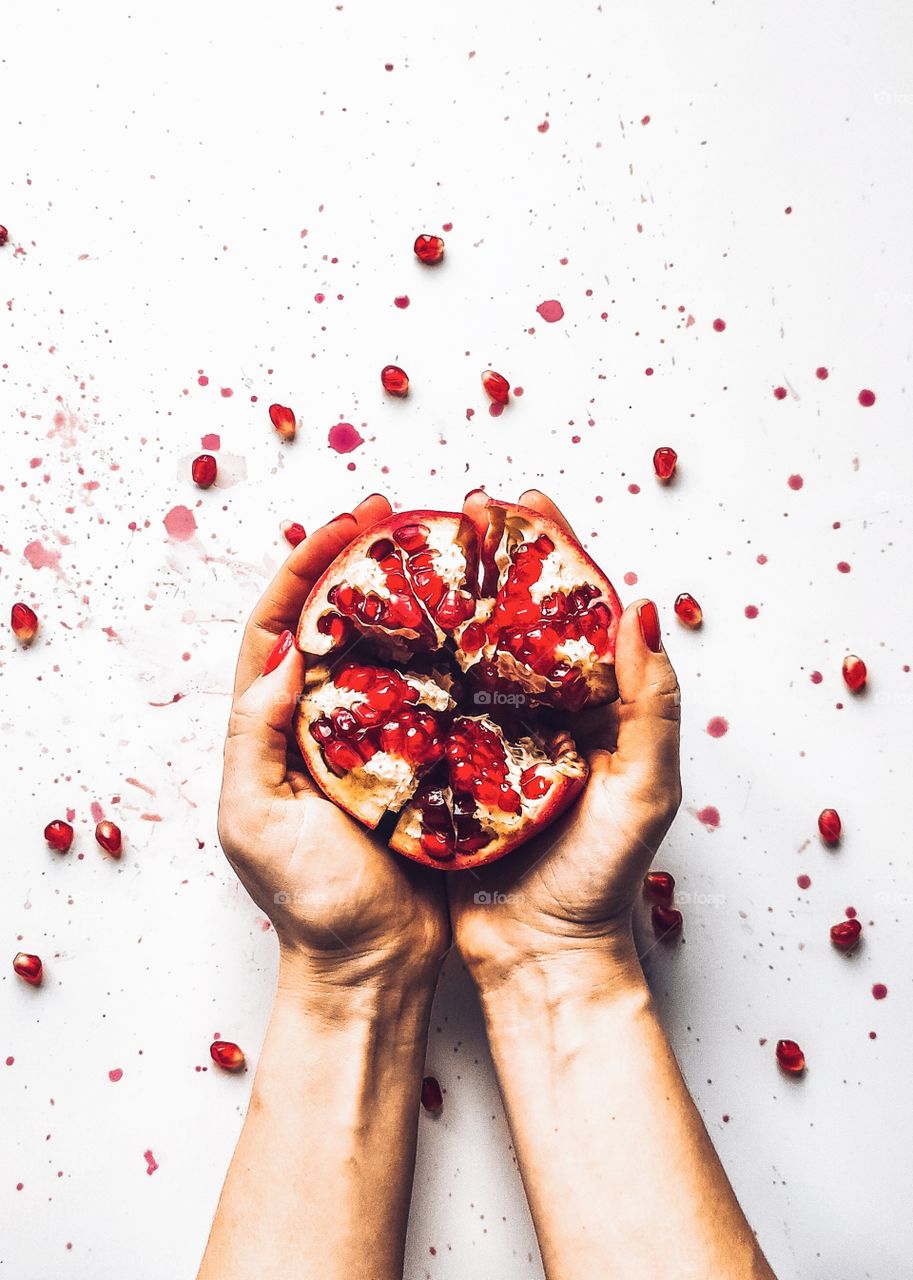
{"x":649,"y":626}
{"x":343,"y":515}
{"x":472,"y":491}
{"x":278,"y":652}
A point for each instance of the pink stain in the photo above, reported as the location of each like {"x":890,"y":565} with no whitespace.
{"x":630,"y":578}
{"x":795,"y":482}
{"x":543,"y":127}
{"x":879,"y":991}
{"x":226,"y":393}
{"x":211,"y":443}
{"x":344,"y":438}
{"x":821,"y":372}
{"x":115,"y":1075}
{"x":780,"y":393}
{"x":719,"y":326}
{"x":804,"y":882}
{"x":633,"y":488}
{"x":39,"y":557}
{"x":151,"y":1162}
{"x":98,"y":813}
{"x":551,"y":311}
{"x":717,"y":726}
{"x":402,"y":301}
{"x":816,"y":677}
{"x":709,"y":816}
{"x":751,"y":611}
{"x":866,"y":398}
{"x":843,"y":566}
{"x":180,"y":524}
{"x":202,"y":380}
{"x":495,"y":410}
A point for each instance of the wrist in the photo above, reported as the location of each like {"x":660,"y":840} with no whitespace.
{"x":554,"y":968}
{"x":341,"y":993}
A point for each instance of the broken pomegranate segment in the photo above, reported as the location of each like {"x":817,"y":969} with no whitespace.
{"x":659,"y":885}
{"x":109,"y":837}
{"x":283,"y":419}
{"x":59,"y":835}
{"x":429,"y":249}
{"x":204,"y":470}
{"x":29,"y":968}
{"x":293,"y":532}
{"x":664,"y":463}
{"x":395,"y":381}
{"x":688,"y":611}
{"x":432,"y":1097}
{"x":846,"y":934}
{"x":227,"y":1055}
{"x":24,"y":622}
{"x":790,"y":1057}
{"x":855,"y":673}
{"x":830,"y":826}
{"x":424,"y":684}
{"x":496,"y":386}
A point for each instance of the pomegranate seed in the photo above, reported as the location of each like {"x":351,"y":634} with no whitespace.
{"x":534,"y":786}
{"x":226,"y":1055}
{"x":659,"y":885}
{"x":341,"y":758}
{"x":664,"y":461}
{"x":429,"y":249}
{"x":24,"y":622}
{"x":29,"y":968}
{"x":830,"y":826}
{"x":283,"y":419}
{"x":688,"y":611}
{"x":411,"y":537}
{"x":667,"y":921}
{"x":395,"y":381}
{"x":109,"y":837}
{"x":437,"y":844}
{"x":496,"y":386}
{"x":4,"y":235}
{"x":283,"y":645}
{"x":790,"y":1057}
{"x":204,"y":470}
{"x":846,"y":934}
{"x":59,"y":835}
{"x":293,"y":532}
{"x":854,"y":673}
{"x":432,"y":1098}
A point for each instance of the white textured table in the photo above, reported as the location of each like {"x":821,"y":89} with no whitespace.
{"x":213,"y":207}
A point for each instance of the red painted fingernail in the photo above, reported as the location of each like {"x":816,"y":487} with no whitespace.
{"x":278,"y":652}
{"x":472,"y":491}
{"x":649,"y":626}
{"x":343,"y":515}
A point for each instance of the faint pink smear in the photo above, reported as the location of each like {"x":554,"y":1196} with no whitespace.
{"x":151,"y":1162}
{"x":343,"y":438}
{"x":39,"y":557}
{"x":98,"y":813}
{"x":710,"y":816}
{"x":114,"y":1076}
{"x":211,"y":443}
{"x":551,"y":311}
{"x":180,"y":524}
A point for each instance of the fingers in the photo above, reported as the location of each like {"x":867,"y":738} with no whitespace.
{"x":544,"y":505}
{"x":278,"y":608}
{"x":261,"y":718}
{"x":649,"y":706}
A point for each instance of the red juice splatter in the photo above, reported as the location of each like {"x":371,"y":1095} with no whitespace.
{"x":39,"y":557}
{"x":751,"y":611}
{"x":151,"y":1162}
{"x":630,"y":579}
{"x":843,"y":566}
{"x":649,"y":372}
{"x":180,"y":524}
{"x":850,"y":913}
{"x":115,"y":1075}
{"x":402,"y":301}
{"x":795,"y":482}
{"x":709,"y":816}
{"x":344,"y":438}
{"x":550,"y":311}
{"x":821,"y":372}
{"x":866,"y":398}
{"x":211,"y":443}
{"x":633,"y":488}
{"x":543,"y":127}
{"x":202,"y":380}
{"x":719,"y":326}
{"x":780,"y":393}
{"x":879,"y":990}
{"x":816,"y":677}
{"x":717,"y":726}
{"x":804,"y":882}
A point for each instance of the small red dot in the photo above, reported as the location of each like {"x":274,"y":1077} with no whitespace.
{"x":780,"y":393}
{"x":719,"y":325}
{"x":821,"y":372}
{"x":866,"y":398}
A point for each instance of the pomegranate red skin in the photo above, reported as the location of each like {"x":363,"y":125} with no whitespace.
{"x":24,"y":622}
{"x":108,"y":835}
{"x":790,"y":1057}
{"x":830,"y":826}
{"x":293,"y":532}
{"x":659,"y":885}
{"x":688,"y":611}
{"x":59,"y":835}
{"x":395,"y":381}
{"x":227,"y":1055}
{"x":855,"y":673}
{"x":666,"y":921}
{"x":283,"y":419}
{"x":845,"y":935}
{"x":432,"y":1097}
{"x":665,"y":460}
{"x":429,"y":250}
{"x":496,"y":386}
{"x":29,"y":968}
{"x":204,"y":470}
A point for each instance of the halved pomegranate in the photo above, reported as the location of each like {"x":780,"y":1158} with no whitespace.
{"x":422,"y":708}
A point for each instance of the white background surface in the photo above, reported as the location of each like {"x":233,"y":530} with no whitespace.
{"x":159,"y":169}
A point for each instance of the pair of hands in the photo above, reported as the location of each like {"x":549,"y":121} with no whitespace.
{"x":350,"y":911}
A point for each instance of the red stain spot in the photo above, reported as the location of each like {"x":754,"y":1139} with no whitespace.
{"x":344,"y":438}
{"x":821,"y":372}
{"x":879,"y":990}
{"x":633,"y":488}
{"x":151,"y":1162}
{"x":866,"y":398}
{"x":226,"y":392}
{"x":550,"y":311}
{"x":717,"y":726}
{"x":10,"y":1061}
{"x":843,"y":566}
{"x":804,"y":882}
{"x":709,"y":816}
{"x":115,"y":1075}
{"x":645,"y":120}
{"x":816,"y":677}
{"x":98,"y":813}
{"x":649,"y":372}
{"x":788,"y":209}
{"x":319,"y":297}
{"x":780,"y":393}
{"x":795,"y":482}
{"x":719,"y":326}
{"x":39,"y":557}
{"x":211,"y":443}
{"x":761,"y":558}
{"x":751,"y":611}
{"x":850,"y":913}
{"x":180,"y":524}
{"x":630,"y":579}
{"x":543,"y":127}
{"x":402,"y":301}
{"x":495,"y":409}
{"x":202,"y":380}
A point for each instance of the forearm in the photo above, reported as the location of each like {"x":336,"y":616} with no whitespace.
{"x":319,"y":1184}
{"x":621,"y":1176}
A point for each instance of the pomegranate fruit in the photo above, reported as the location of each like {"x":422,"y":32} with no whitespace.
{"x":29,"y":968}
{"x":59,"y":835}
{"x":435,"y":650}
{"x":24,"y":622}
{"x":666,"y":921}
{"x":4,"y":235}
{"x":227,"y":1055}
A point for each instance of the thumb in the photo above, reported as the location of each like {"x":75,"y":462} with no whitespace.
{"x":261,"y":717}
{"x":649,"y":705}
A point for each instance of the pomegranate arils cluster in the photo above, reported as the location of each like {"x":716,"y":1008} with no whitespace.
{"x":59,"y":835}
{"x":227,"y":1055}
{"x":29,"y":968}
{"x":24,"y":623}
{"x":429,"y":249}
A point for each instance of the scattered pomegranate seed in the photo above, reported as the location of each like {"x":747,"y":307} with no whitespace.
{"x":283,"y":419}
{"x":204,"y":470}
{"x":664,"y":462}
{"x":109,"y":837}
{"x":24,"y":622}
{"x":659,"y":885}
{"x":59,"y":835}
{"x":226,"y":1055}
{"x":4,"y":235}
{"x":395,"y":381}
{"x":790,"y":1057}
{"x":496,"y":386}
{"x":830,"y":826}
{"x":429,"y":249}
{"x":854,"y":673}
{"x":29,"y":968}
{"x":667,"y":921}
{"x":293,"y":532}
{"x":432,"y":1097}
{"x":688,"y":611}
{"x":282,"y":646}
{"x":846,"y":934}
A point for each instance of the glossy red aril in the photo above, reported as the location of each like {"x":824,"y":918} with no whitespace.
{"x":24,"y":622}
{"x":29,"y":968}
{"x":667,"y":921}
{"x":659,"y":885}
{"x":688,"y":611}
{"x":395,"y":381}
{"x":108,"y":835}
{"x":4,"y":235}
{"x":846,"y":934}
{"x":790,"y":1057}
{"x":226,"y":1055}
{"x":496,"y":386}
{"x":59,"y":835}
{"x":293,"y":532}
{"x":204,"y":470}
{"x":429,"y":249}
{"x":830,"y":826}
{"x":283,"y":419}
{"x":432,"y":1097}
{"x":664,"y":462}
{"x":855,"y":673}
